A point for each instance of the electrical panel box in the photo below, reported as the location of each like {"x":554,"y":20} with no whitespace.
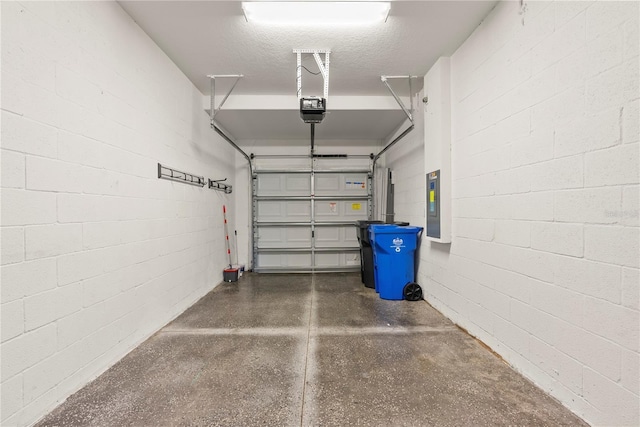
{"x":433,"y":204}
{"x":312,"y":109}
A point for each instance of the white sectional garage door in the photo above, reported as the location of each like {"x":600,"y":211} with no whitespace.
{"x":304,"y":217}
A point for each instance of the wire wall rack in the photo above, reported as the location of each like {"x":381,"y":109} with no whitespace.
{"x":171,"y":174}
{"x":166,"y":172}
{"x":218,"y":185}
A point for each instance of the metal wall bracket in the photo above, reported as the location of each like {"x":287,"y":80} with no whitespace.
{"x":165,"y":172}
{"x":409,"y":111}
{"x":215,"y":110}
{"x":216,"y":185}
{"x":213,"y":78}
{"x":323,"y":66}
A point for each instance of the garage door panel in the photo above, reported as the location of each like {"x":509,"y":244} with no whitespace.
{"x":269,"y":210}
{"x":298,"y":210}
{"x":285,"y":211}
{"x":289,"y":184}
{"x":298,"y":184}
{"x":284,"y":237}
{"x":354,"y":184}
{"x":341,"y":210}
{"x":344,"y":236}
{"x":283,"y":164}
{"x":269,"y":184}
{"x":352,"y":210}
{"x":338,"y":164}
{"x":270,"y":260}
{"x":347,"y":184}
{"x":281,"y":246}
{"x":346,"y":259}
{"x":327,"y":209}
{"x":351,"y":234}
{"x":327,"y":236}
{"x":327,"y":183}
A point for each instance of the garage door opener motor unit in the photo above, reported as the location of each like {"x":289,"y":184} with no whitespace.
{"x":312,"y":109}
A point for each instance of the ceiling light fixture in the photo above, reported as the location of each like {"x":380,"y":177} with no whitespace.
{"x":316,"y":12}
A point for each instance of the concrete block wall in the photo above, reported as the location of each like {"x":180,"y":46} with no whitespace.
{"x":543,"y":265}
{"x":97,"y":253}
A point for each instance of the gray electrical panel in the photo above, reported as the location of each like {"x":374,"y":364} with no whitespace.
{"x":433,"y":204}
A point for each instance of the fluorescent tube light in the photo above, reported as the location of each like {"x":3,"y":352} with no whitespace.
{"x":316,"y":12}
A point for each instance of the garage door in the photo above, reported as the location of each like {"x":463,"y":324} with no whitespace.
{"x":304,"y":217}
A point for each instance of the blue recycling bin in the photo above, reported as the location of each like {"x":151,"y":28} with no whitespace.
{"x":394,"y":249}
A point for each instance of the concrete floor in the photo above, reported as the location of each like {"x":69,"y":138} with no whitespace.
{"x":321,"y":350}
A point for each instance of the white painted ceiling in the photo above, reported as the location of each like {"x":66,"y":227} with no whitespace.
{"x":213,"y":37}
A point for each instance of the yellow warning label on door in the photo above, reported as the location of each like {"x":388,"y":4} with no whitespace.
{"x":355,"y":206}
{"x":432,"y":196}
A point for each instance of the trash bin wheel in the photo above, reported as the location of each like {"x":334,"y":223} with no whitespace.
{"x":412,"y":292}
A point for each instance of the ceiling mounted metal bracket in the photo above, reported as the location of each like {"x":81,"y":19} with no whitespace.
{"x":213,"y":78}
{"x":322,"y":66}
{"x":408,"y":112}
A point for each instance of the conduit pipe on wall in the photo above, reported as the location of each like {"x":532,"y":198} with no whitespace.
{"x":214,"y":111}
{"x":377,"y":157}
{"x":407,"y":112}
{"x":233,"y":144}
{"x":224,"y":136}
{"x":246,"y":156}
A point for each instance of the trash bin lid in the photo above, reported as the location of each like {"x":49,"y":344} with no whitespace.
{"x":363,"y":223}
{"x":363,"y":231}
{"x":394,"y":229}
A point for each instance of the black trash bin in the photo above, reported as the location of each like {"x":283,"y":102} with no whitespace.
{"x":366,"y":253}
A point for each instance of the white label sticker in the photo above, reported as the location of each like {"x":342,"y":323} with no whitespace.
{"x":398,"y":244}
{"x":355,"y":184}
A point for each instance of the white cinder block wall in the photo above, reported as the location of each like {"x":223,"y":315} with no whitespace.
{"x":543,"y":265}
{"x":97,"y":253}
